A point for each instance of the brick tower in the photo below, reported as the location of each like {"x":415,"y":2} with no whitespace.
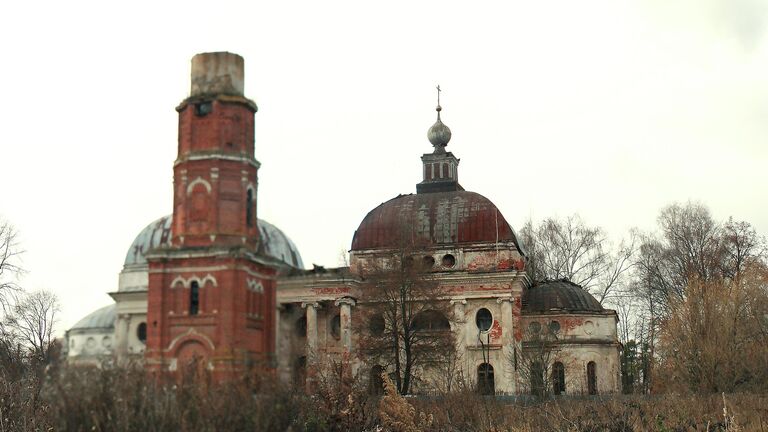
{"x":211,"y":297}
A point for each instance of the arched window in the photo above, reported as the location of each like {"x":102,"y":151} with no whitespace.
{"x":558,"y":378}
{"x":141,"y":332}
{"x":592,"y":378}
{"x":194,"y":298}
{"x":485,"y":384}
{"x":377,"y":325}
{"x":249,"y":208}
{"x":431,"y":320}
{"x":375,"y":381}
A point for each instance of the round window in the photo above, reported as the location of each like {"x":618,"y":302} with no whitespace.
{"x":484,"y":319}
{"x":449,"y":260}
{"x":141,"y":332}
{"x":554,"y":326}
{"x":534,"y":327}
{"x":106,"y":342}
{"x":589,"y":327}
{"x":428,"y":262}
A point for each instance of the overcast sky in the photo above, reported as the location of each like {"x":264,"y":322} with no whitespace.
{"x":610,"y":109}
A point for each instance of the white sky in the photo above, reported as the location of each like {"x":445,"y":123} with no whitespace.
{"x":611,"y":109}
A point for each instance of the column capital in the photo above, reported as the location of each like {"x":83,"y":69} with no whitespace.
{"x":314,"y":305}
{"x":345,"y":301}
{"x":508,"y":298}
{"x":462,"y":301}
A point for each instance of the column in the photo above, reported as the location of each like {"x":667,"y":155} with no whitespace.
{"x":507,"y":341}
{"x":311,"y":308}
{"x":345,"y":304}
{"x":460,"y":329}
{"x":121,"y":337}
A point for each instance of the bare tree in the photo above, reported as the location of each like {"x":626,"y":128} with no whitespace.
{"x":570,"y":249}
{"x":9,"y":265}
{"x":405,"y":316}
{"x":715,"y":339}
{"x":33,"y":320}
{"x":536,"y":360}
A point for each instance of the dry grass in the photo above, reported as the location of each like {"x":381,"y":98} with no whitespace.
{"x":80,"y":399}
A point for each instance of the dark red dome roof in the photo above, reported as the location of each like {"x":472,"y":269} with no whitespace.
{"x":559,"y":295}
{"x":437,"y":218}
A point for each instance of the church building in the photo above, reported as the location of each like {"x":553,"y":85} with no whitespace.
{"x":214,"y":287}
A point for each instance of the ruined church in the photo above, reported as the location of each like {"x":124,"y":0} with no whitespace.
{"x":214,"y":284}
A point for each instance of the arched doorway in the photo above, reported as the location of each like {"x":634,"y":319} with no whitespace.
{"x":375,"y":381}
{"x":592,"y":378}
{"x":485,"y":381}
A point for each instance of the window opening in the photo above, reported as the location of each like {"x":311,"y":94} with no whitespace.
{"x":249,"y":208}
{"x":484,"y":319}
{"x":141,"y":332}
{"x":485,"y":381}
{"x":194,"y":298}
{"x":449,"y":260}
{"x":203,"y":108}
{"x":376,"y":325}
{"x":336,"y":327}
{"x":592,"y":378}
{"x":558,"y":378}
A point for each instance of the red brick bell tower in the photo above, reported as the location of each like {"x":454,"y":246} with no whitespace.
{"x":211,"y":298}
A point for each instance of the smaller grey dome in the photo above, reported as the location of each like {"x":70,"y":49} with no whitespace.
{"x":439,"y":134}
{"x":103,"y":318}
{"x":559,"y":296}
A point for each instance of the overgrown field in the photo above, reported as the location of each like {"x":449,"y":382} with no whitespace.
{"x":129,"y":400}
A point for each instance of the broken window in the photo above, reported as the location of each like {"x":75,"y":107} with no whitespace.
{"x":558,"y":378}
{"x":485,"y":381}
{"x":194,"y":298}
{"x":483,"y":319}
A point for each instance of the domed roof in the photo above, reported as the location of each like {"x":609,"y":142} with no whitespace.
{"x":559,"y":296}
{"x":272,"y":242}
{"x":157,"y":233}
{"x":103,"y":318}
{"x":440,"y":218}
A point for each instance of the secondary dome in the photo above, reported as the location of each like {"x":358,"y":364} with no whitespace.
{"x":559,"y":296}
{"x":272,"y":242}
{"x":99,"y":319}
{"x":440,"y":218}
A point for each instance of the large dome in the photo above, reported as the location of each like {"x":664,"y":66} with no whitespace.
{"x":272,"y":242}
{"x":559,"y":296}
{"x":441,"y":218}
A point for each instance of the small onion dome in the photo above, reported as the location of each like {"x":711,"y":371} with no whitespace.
{"x":439,"y":134}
